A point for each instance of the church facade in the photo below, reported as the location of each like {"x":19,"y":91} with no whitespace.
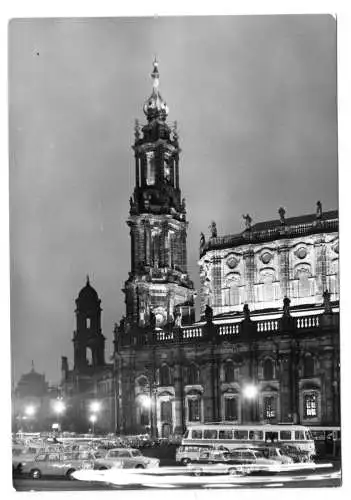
{"x":269,"y":309}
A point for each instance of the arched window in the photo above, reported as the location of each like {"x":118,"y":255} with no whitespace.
{"x":150,"y":169}
{"x":304,"y":286}
{"x":308,"y":368}
{"x":165,"y":378}
{"x":268,"y":369}
{"x":166,"y":411}
{"x":193,"y":375}
{"x":267,"y":288}
{"x":194,"y":409}
{"x":229,"y":373}
{"x":234,"y":296}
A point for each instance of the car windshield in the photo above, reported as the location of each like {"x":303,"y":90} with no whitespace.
{"x":136,"y":453}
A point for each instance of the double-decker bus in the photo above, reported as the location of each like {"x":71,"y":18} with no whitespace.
{"x":231,"y":436}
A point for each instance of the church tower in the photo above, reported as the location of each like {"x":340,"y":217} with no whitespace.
{"x":158,"y":290}
{"x":88,"y":338}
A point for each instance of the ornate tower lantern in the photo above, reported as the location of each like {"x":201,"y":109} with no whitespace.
{"x":158,"y":281}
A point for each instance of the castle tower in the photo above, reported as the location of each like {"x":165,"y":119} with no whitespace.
{"x":88,"y":334}
{"x":158,"y":288}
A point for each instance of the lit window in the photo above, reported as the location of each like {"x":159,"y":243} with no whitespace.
{"x":269,"y":407}
{"x":150,"y":170}
{"x":310,"y":405}
{"x":88,"y":322}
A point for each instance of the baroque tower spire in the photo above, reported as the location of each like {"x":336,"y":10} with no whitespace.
{"x":159,"y":280}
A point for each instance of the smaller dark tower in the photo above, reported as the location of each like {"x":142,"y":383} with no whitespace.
{"x":88,"y":334}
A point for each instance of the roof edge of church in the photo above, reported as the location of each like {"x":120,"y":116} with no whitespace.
{"x":271,"y":230}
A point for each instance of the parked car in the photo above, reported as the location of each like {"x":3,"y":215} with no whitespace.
{"x":296,"y":454}
{"x":58,"y":464}
{"x":186,"y":454}
{"x":277,"y":454}
{"x":235,"y":462}
{"x":126,"y":458}
{"x":22,"y":454}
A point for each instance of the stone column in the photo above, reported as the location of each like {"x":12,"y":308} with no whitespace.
{"x":217,"y":281}
{"x":249,"y":259}
{"x":283,"y":253}
{"x":321,"y":267}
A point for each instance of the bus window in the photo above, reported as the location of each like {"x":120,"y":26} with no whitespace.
{"x":210,"y":434}
{"x":196,"y":434}
{"x":228,"y":434}
{"x":308,"y":435}
{"x":318,"y":435}
{"x":285,"y":435}
{"x":186,"y":434}
{"x":256,"y":435}
{"x":271,"y":437}
{"x":299,"y":435}
{"x":240,"y":434}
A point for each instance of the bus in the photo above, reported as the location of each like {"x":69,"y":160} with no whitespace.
{"x":231,"y":436}
{"x":327,"y":440}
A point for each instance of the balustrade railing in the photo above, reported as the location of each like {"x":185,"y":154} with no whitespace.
{"x":307,"y":322}
{"x":269,"y":325}
{"x":232,"y":329}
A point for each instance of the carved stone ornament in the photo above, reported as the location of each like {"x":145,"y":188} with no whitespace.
{"x":301,"y":252}
{"x":266,"y":257}
{"x":232,"y":262}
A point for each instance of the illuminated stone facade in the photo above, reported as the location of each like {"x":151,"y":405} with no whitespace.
{"x":269,"y":309}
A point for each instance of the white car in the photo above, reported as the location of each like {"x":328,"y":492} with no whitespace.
{"x":126,"y":458}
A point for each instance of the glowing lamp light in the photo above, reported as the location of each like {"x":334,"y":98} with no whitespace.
{"x":29,"y":411}
{"x":93,"y":419}
{"x":250,"y":391}
{"x":146,"y":402}
{"x":59,"y":407}
{"x":95,"y":406}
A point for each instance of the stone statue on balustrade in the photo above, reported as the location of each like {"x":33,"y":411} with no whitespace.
{"x":208,"y":314}
{"x":282,"y":212}
{"x":319,"y":211}
{"x":213,"y":229}
{"x":248,"y":222}
{"x":326,"y":303}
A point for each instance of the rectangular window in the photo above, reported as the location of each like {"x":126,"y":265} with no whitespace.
{"x":196,"y":434}
{"x":256,"y":435}
{"x":231,"y":409}
{"x":240,"y":435}
{"x":271,"y":437}
{"x":88,"y":322}
{"x":226,"y":434}
{"x":285,"y":435}
{"x":299,"y":436}
{"x":269,"y":407}
{"x":310,"y":405}
{"x":210,"y":434}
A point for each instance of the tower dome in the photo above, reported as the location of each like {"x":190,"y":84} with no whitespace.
{"x":155,"y":106}
{"x":88,"y":293}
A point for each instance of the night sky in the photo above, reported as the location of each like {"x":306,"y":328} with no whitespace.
{"x":255,"y":102}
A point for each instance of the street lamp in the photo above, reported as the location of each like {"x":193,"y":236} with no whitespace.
{"x":95,"y":406}
{"x":29,"y":411}
{"x":59,"y":408}
{"x":93,"y":419}
{"x":250,"y":392}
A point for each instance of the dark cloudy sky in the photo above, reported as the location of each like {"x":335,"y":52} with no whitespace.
{"x":255,"y":101}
